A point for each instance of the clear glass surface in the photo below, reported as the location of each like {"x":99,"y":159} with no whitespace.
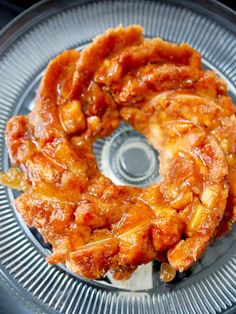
{"x":27,"y":46}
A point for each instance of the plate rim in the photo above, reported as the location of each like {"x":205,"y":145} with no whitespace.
{"x":12,"y":30}
{"x":33,"y":16}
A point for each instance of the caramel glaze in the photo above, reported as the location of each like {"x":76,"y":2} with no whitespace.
{"x":160,"y":89}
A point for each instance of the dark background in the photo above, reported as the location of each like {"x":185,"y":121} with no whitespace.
{"x":8,"y":11}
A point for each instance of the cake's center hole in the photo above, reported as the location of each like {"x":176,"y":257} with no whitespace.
{"x":126,"y":157}
{"x":135,"y":159}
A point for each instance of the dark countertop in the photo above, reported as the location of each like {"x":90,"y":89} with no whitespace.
{"x":9,"y":10}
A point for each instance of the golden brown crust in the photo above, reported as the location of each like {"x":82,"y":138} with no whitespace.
{"x":184,"y":112}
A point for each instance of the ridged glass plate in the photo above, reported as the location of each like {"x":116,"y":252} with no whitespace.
{"x":26,"y":46}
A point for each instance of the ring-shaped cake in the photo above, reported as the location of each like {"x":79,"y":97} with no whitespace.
{"x":160,"y":89}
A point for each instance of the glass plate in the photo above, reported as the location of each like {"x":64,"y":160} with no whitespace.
{"x":26,"y":46}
